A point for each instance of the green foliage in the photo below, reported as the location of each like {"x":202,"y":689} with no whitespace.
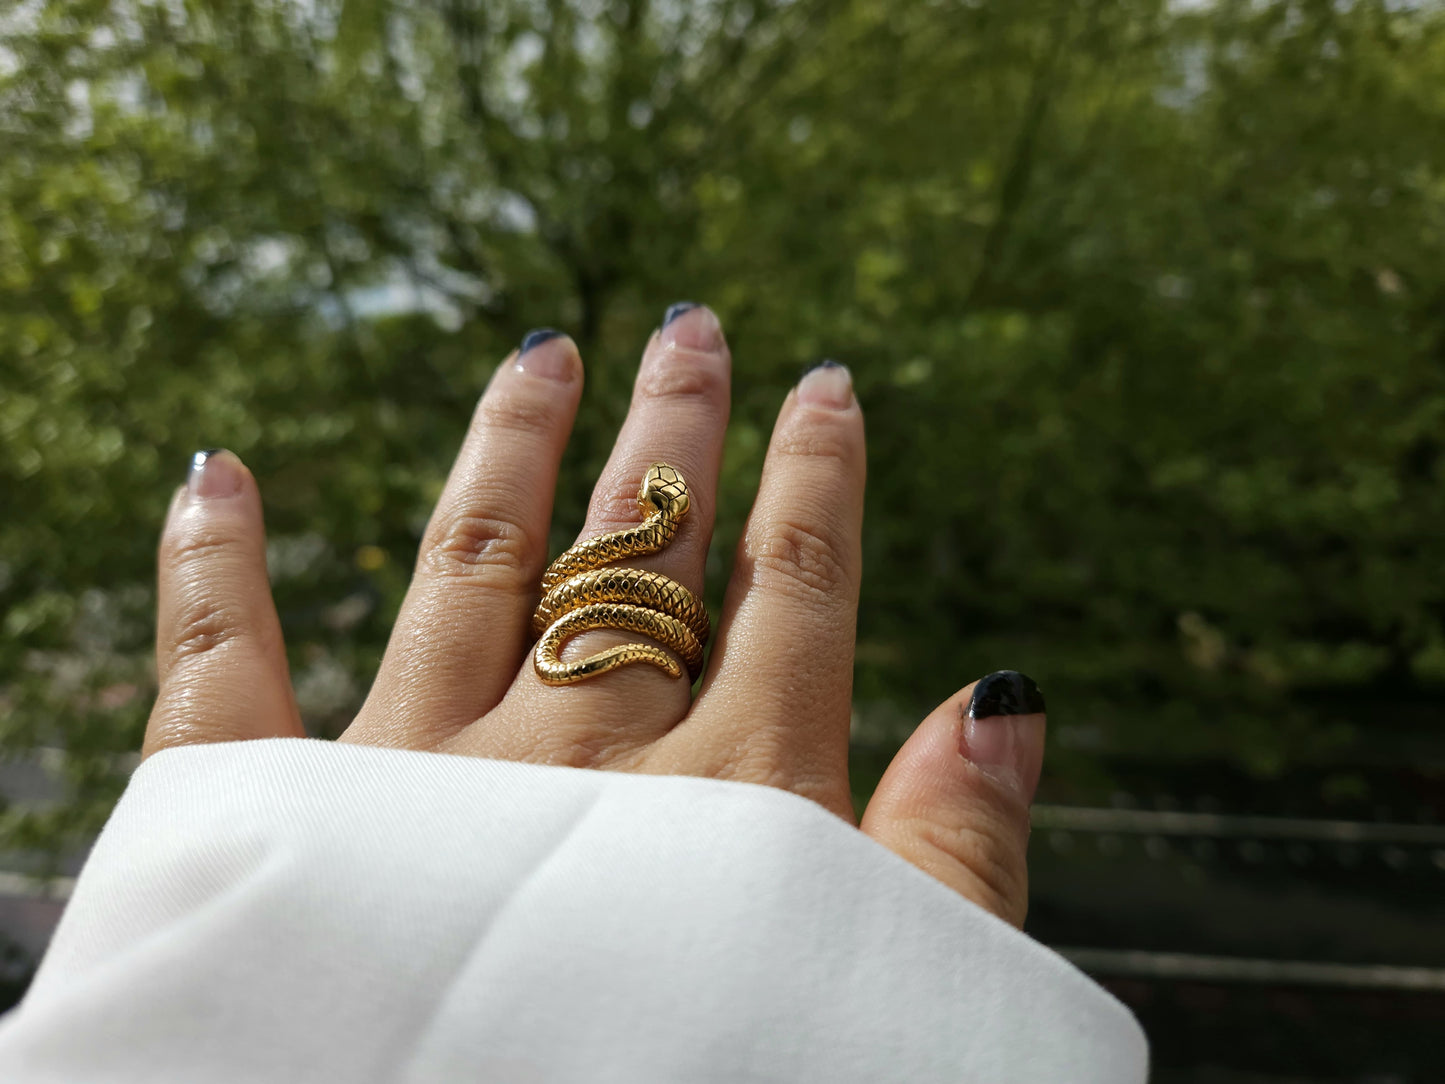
{"x":1144,"y":302}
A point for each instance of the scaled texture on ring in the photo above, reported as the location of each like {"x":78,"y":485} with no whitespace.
{"x":582,"y":590}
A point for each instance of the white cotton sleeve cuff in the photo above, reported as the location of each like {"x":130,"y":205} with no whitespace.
{"x":297,"y":910}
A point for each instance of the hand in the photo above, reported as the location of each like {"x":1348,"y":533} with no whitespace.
{"x":457,"y":676}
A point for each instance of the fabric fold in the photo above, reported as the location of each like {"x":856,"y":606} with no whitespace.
{"x":297,"y":910}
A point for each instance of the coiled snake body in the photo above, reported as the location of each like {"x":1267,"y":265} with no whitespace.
{"x":579,"y":592}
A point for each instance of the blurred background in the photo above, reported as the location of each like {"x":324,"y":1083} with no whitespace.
{"x":1145,"y":302}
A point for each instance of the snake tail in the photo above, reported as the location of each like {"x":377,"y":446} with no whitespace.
{"x":662,"y":627}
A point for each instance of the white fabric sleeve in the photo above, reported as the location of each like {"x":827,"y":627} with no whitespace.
{"x":298,"y":910}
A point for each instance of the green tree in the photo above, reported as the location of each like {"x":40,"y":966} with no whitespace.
{"x":1143,"y":302}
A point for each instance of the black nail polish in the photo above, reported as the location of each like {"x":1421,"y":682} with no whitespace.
{"x":198,"y":460}
{"x":1006,"y":692}
{"x":679,"y":309}
{"x":537,"y":337}
{"x":826,"y":363}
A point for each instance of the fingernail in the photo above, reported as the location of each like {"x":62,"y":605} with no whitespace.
{"x":827,"y":384}
{"x":702,"y":332}
{"x":1001,"y":731}
{"x":552,"y":364}
{"x":214,"y":472}
{"x":677,"y":309}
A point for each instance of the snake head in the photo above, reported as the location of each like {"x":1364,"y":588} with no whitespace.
{"x":663,"y":490}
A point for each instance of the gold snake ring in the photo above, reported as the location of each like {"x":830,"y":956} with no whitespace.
{"x":579,"y":593}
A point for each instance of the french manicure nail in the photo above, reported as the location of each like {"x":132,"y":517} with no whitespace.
{"x":677,"y":309}
{"x":536,"y":337}
{"x":552,"y":364}
{"x":703,"y":333}
{"x":1000,"y":732}
{"x":827,"y":384}
{"x":214,"y":472}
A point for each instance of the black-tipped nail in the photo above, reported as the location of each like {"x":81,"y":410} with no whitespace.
{"x":537,"y":337}
{"x":826,"y":363}
{"x":679,"y":309}
{"x":1006,"y":692}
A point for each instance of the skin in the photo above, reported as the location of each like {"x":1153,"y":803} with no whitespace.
{"x":775,"y":702}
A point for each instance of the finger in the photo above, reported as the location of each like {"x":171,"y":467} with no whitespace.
{"x":955,"y":800}
{"x":776,"y":705}
{"x":219,"y":652}
{"x":463,"y":626}
{"x":678,"y":416}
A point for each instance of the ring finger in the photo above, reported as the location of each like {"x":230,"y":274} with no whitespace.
{"x":678,"y":416}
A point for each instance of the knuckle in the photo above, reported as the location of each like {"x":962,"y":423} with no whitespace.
{"x":773,"y":757}
{"x":801,"y":561}
{"x":214,"y":574}
{"x":514,"y":413}
{"x":990,"y":849}
{"x":476,"y":547}
{"x":758,"y":756}
{"x":198,"y":544}
{"x":684,"y":374}
{"x":206,"y":622}
{"x":575,"y":748}
{"x":827,"y":440}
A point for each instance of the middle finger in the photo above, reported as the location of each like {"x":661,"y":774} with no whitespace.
{"x":678,"y":416}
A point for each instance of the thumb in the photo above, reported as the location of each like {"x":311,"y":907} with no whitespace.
{"x":219,"y":653}
{"x":955,"y":800}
